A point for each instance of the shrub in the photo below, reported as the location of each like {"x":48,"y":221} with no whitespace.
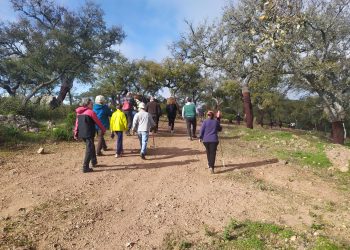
{"x":61,"y":134}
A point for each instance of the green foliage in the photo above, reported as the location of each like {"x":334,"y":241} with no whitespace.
{"x":313,"y":156}
{"x":61,"y":134}
{"x":11,"y":136}
{"x":323,"y":243}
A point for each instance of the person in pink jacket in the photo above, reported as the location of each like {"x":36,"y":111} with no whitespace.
{"x":85,"y":129}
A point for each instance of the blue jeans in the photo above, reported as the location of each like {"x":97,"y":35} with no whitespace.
{"x":119,"y":142}
{"x":143,"y":138}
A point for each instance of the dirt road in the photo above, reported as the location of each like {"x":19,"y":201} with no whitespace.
{"x":47,"y":202}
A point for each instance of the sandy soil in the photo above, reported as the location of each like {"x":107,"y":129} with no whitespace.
{"x":47,"y":201}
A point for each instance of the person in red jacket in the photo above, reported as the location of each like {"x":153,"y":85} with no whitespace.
{"x":85,"y":129}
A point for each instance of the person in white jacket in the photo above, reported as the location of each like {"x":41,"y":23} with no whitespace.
{"x":142,"y":124}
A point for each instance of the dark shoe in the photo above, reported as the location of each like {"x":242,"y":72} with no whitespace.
{"x":88,"y":170}
{"x":105,"y":149}
{"x":100,"y":154}
{"x":94,"y":164}
{"x":143,"y":157}
{"x":194,"y":136}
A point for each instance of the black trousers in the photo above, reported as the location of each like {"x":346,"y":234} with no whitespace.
{"x":90,"y":153}
{"x":128,"y":115}
{"x":191,"y":123}
{"x":211,"y":148}
{"x":171,"y":121}
{"x":156,"y":121}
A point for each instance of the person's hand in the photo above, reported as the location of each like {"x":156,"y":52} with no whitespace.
{"x":112,"y":135}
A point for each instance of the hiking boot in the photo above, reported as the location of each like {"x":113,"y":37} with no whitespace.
{"x":194,"y":136}
{"x":143,"y":157}
{"x":100,"y":154}
{"x":88,"y":170}
{"x":105,"y":149}
{"x":94,"y":164}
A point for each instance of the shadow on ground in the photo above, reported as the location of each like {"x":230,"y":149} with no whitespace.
{"x":145,"y":165}
{"x":231,"y":167}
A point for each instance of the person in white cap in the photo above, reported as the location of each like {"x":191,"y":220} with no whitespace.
{"x":103,"y":113}
{"x":142,"y":124}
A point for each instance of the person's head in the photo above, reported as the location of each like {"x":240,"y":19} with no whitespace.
{"x":171,"y":100}
{"x":210,"y":114}
{"x":87,"y":103}
{"x":142,"y":106}
{"x":129,"y":94}
{"x":188,"y":99}
{"x":100,"y":99}
{"x":119,"y":106}
{"x":151,"y":99}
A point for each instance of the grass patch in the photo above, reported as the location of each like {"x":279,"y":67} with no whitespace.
{"x":315,"y":159}
{"x":322,"y":243}
{"x":256,"y":235}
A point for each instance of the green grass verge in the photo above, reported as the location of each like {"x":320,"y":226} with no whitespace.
{"x":249,"y":235}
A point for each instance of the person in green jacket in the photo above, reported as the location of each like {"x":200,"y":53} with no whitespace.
{"x":189,"y":114}
{"x":118,"y":125}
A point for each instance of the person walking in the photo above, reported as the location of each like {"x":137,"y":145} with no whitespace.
{"x":171,"y":110}
{"x":103,"y":113}
{"x":85,"y":129}
{"x":154,"y":109}
{"x":189,"y":114}
{"x":209,"y":136}
{"x":118,"y":125}
{"x":128,"y":109}
{"x":142,"y":124}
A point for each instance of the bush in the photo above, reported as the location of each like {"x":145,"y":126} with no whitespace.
{"x":62,"y":134}
{"x":229,"y":117}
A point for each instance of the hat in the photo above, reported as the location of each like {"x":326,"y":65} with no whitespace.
{"x":142,"y":105}
{"x":100,"y":99}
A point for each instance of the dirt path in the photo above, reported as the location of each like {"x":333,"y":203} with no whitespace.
{"x":55,"y":206}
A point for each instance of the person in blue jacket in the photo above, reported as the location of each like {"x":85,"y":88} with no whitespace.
{"x":103,"y":113}
{"x":209,"y":137}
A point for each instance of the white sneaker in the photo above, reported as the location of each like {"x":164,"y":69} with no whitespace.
{"x":117,"y":156}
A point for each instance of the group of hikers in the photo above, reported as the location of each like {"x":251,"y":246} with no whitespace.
{"x":132,"y":116}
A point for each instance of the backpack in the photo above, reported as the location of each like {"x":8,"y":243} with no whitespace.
{"x":126,"y":105}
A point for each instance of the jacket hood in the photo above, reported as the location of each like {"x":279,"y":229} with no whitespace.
{"x":81,"y":110}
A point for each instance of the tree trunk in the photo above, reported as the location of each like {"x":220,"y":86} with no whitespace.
{"x":248,"y":107}
{"x":70,"y":98}
{"x":66,"y":86}
{"x":338,"y":132}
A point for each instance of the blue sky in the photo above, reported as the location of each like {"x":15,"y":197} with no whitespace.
{"x":150,"y":25}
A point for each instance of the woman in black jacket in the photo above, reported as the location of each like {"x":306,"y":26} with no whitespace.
{"x":171,"y":110}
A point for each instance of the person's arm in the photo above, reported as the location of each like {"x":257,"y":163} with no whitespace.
{"x":76,"y":129}
{"x":150,"y":119}
{"x":201,"y":133}
{"x":183,"y":111}
{"x":111,"y":123}
{"x":97,"y":121}
{"x":159,"y":110}
{"x":135,"y":122}
{"x":218,"y":126}
{"x":124,"y":120}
